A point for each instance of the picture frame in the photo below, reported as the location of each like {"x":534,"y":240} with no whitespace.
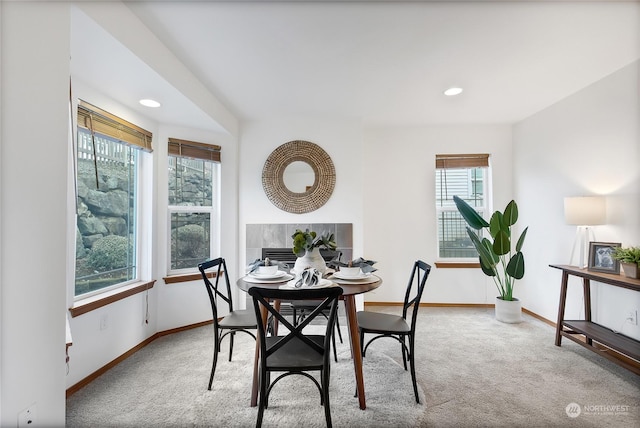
{"x":600,"y":259}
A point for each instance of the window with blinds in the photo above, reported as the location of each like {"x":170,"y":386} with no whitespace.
{"x":107,"y":176}
{"x":194,"y":189}
{"x":465,"y":176}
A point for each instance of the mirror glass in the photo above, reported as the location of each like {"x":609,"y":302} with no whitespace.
{"x":298,"y":177}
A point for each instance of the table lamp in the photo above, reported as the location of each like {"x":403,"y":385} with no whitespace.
{"x":584,"y":211}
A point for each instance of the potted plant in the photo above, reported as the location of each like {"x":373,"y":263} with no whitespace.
{"x":307,"y":245}
{"x":629,"y":259}
{"x":498,"y":258}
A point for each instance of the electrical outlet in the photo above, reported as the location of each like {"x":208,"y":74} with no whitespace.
{"x":633,"y":317}
{"x":26,"y":418}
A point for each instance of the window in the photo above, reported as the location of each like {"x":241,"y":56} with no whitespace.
{"x":194,"y":177}
{"x":107,"y":180}
{"x":465,"y":176}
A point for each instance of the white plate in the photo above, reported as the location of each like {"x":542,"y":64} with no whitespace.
{"x":351,"y":278}
{"x":253,"y":280}
{"x":323,"y":283}
{"x":278,"y":274}
{"x":364,"y":280}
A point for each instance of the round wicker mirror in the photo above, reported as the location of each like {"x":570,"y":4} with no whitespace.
{"x":315,"y":195}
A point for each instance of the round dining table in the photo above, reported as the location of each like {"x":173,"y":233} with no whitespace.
{"x":350,"y":289}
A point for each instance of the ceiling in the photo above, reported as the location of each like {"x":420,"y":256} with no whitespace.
{"x":381,"y":63}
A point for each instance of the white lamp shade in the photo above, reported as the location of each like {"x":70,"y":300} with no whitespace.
{"x":585,"y":210}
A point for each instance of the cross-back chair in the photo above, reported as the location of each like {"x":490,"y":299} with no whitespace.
{"x":396,"y":326}
{"x":235,"y":321}
{"x":296,"y":352}
{"x":300,"y":310}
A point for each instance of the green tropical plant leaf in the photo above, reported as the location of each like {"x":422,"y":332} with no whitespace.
{"x":469,"y":214}
{"x":502,"y":243}
{"x":521,"y":239}
{"x":515,"y":267}
{"x":487,"y":270}
{"x":487,"y":258}
{"x":495,"y":224}
{"x":494,"y":259}
{"x":511,"y":213}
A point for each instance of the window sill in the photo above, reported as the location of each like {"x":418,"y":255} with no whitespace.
{"x":457,"y":265}
{"x":186,"y":277}
{"x":92,"y":303}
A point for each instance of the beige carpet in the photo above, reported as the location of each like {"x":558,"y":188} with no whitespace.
{"x":472,"y":370}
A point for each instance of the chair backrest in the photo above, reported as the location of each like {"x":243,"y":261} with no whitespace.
{"x":417,"y":281}
{"x":219,"y":268}
{"x":326,"y":298}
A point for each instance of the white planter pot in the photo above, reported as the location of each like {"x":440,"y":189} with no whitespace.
{"x":310,"y":259}
{"x":509,"y":311}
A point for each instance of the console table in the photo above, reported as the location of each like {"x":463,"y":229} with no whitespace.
{"x":588,"y":333}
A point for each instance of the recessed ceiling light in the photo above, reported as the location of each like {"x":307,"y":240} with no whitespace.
{"x":150,"y":103}
{"x":453,"y":91}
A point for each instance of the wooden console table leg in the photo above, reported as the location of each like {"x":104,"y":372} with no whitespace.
{"x":586,"y":289}
{"x":563,"y":300}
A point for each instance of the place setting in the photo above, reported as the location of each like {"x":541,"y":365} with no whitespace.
{"x":268,"y":272}
{"x":356,"y":271}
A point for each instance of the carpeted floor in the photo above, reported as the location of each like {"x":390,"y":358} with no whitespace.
{"x":473,"y":371}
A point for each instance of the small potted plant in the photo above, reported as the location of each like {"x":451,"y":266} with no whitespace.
{"x":629,"y":259}
{"x":307,"y":245}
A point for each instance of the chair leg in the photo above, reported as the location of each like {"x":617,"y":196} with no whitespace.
{"x":362,"y":342}
{"x":404,"y":354}
{"x":263,"y":397}
{"x":335,"y":352}
{"x":325,"y":397}
{"x":216,"y":350}
{"x":338,"y":328}
{"x":412,"y":363}
{"x":231,"y":337}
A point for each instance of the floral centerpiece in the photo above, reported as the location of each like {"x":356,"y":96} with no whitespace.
{"x":307,"y":245}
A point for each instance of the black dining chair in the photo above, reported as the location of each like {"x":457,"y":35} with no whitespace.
{"x":300,"y":309}
{"x":235,"y":321}
{"x":396,"y":326}
{"x":296,"y":352}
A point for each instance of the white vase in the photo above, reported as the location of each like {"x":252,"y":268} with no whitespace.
{"x":311,"y":258}
{"x":509,"y":311}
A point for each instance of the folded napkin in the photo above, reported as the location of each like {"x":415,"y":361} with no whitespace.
{"x":252,"y":267}
{"x":307,"y":278}
{"x":366,"y":266}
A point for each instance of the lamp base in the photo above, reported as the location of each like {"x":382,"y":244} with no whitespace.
{"x":584,"y":234}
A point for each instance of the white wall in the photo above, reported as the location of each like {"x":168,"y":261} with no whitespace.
{"x":187,"y":303}
{"x":587,"y":144}
{"x":34,"y":116}
{"x":399,"y":212}
{"x":342,"y":140}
